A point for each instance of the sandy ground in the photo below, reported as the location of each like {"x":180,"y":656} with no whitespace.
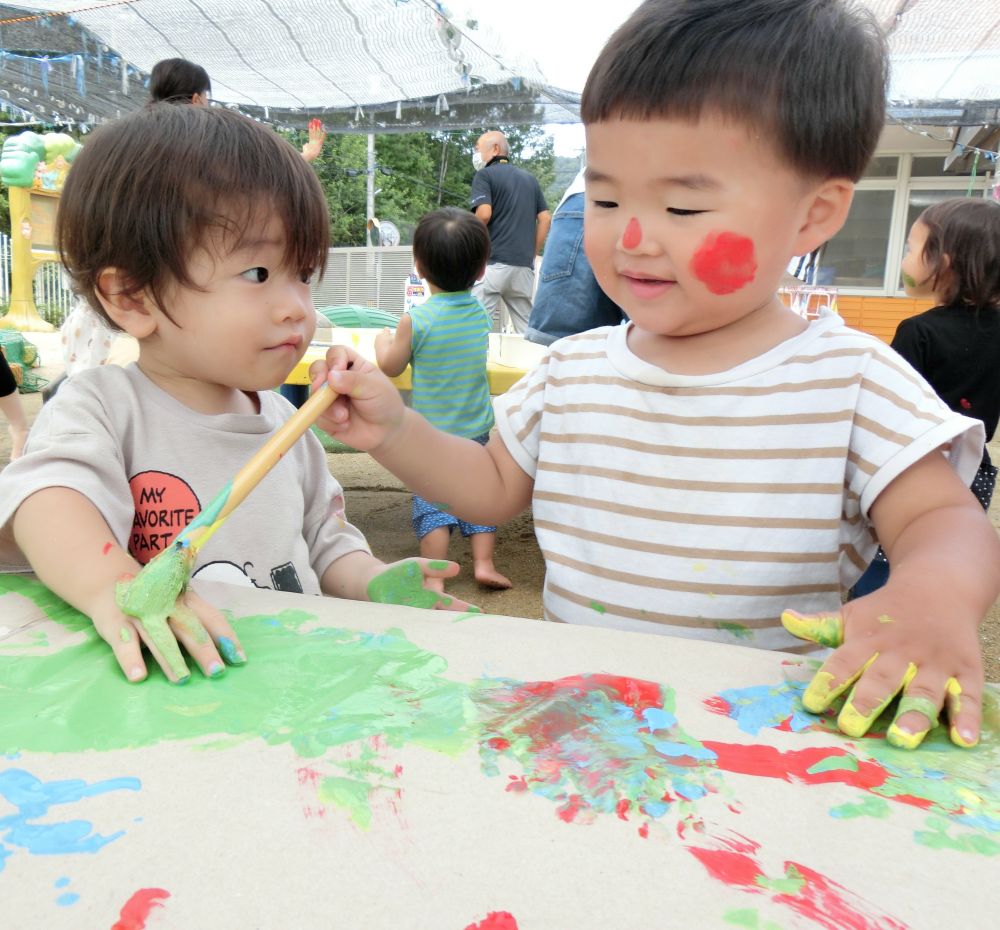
{"x":380,"y":506}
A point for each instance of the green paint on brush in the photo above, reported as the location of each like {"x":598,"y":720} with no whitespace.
{"x":404,"y":584}
{"x":151,"y":597}
{"x":832,"y":763}
{"x":869,"y":807}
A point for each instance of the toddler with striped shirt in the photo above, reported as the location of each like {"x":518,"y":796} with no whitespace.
{"x":445,"y":341}
{"x":717,"y":467}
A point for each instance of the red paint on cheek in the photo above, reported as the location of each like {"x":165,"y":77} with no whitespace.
{"x":725,"y":262}
{"x":106,"y":549}
{"x":632,"y":235}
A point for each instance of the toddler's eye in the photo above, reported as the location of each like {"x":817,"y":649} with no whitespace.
{"x":305,"y":276}
{"x":677,"y":211}
{"x":605,"y":204}
{"x":256,"y":275}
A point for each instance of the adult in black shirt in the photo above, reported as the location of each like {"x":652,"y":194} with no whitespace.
{"x":509,"y":200}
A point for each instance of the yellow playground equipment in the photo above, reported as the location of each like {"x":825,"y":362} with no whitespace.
{"x":34,"y":168}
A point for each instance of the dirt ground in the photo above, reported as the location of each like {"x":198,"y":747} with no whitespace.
{"x":380,"y":506}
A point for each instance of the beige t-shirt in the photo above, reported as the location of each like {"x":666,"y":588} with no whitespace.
{"x":149,"y":465}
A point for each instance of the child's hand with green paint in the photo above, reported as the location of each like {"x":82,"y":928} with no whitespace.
{"x":405,"y":582}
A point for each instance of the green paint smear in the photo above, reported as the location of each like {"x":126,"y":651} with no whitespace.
{"x":869,"y":807}
{"x":735,"y":629}
{"x":313,"y":689}
{"x":834,"y":762}
{"x":908,"y":280}
{"x":749,"y":919}
{"x":938,"y":836}
{"x":792,"y":883}
{"x":403,"y":584}
{"x":600,"y":608}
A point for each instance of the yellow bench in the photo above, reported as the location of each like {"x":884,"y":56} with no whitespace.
{"x":510,"y":357}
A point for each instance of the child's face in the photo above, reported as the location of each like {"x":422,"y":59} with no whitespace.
{"x":689,"y":226}
{"x":247,"y":326}
{"x":916,"y":275}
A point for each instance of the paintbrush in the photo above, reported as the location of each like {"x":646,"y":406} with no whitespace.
{"x":151,"y":596}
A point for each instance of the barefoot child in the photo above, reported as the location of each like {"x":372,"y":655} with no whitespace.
{"x":196,"y":231}
{"x":718,"y":459}
{"x":446,"y":341}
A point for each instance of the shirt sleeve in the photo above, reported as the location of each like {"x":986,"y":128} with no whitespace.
{"x":518,"y":414}
{"x":480,"y":193}
{"x":540,"y":205}
{"x":898,"y":420}
{"x":73,"y":444}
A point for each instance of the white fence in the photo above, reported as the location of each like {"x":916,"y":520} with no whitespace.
{"x":373,"y":277}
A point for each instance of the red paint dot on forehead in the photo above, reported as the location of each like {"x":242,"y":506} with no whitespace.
{"x":632,"y":235}
{"x":725,"y":262}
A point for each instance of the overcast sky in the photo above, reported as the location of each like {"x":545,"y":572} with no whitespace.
{"x":563,"y":36}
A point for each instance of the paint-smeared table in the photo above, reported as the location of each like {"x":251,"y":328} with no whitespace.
{"x":378,"y":767}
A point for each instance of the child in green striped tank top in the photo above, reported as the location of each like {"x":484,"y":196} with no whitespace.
{"x":445,"y":341}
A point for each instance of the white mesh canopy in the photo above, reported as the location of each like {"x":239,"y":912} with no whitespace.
{"x":387,"y":64}
{"x":384,"y":65}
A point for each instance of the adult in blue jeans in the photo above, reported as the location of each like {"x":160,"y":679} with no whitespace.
{"x":568,"y":300}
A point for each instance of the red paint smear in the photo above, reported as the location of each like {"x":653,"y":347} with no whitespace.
{"x":498,"y":743}
{"x":571,"y":808}
{"x":307,"y":775}
{"x":622,"y":808}
{"x":106,"y":549}
{"x":517,"y":783}
{"x":632,"y":235}
{"x":718,"y":705}
{"x":794,"y":765}
{"x":725,"y":262}
{"x":822,"y":900}
{"x":495,"y":920}
{"x":634,"y":692}
{"x":644,"y":830}
{"x":133,"y":915}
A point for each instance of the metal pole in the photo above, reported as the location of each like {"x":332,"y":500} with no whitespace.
{"x":370,"y":204}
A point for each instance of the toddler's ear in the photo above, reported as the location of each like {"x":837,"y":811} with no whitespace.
{"x":828,"y":206}
{"x":130,"y":311}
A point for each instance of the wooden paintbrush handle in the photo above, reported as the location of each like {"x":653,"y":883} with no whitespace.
{"x":251,"y":474}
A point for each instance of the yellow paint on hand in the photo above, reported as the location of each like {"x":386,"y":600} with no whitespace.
{"x":885,"y":618}
{"x":821,"y":692}
{"x":953,"y":698}
{"x":825,"y":629}
{"x":124,"y":634}
{"x":852,"y":722}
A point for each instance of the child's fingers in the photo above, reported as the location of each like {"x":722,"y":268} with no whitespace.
{"x":127,"y":646}
{"x":219,"y":628}
{"x":879,"y":683}
{"x":169,"y":659}
{"x":403,"y":583}
{"x":439,"y":568}
{"x":825,"y":629}
{"x":837,"y":674}
{"x":919,"y":707}
{"x":193,"y":636}
{"x":964,"y":703}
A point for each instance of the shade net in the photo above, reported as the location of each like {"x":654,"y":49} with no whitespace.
{"x":358,"y":65}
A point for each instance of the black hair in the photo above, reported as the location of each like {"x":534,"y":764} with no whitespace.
{"x":810,"y":75}
{"x":177,"y":80}
{"x":147,"y":190}
{"x":451,"y":247}
{"x":963,"y":251}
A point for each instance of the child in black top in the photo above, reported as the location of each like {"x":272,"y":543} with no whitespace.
{"x":953,"y":258}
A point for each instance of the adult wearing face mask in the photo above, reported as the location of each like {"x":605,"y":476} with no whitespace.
{"x":509,"y":200}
